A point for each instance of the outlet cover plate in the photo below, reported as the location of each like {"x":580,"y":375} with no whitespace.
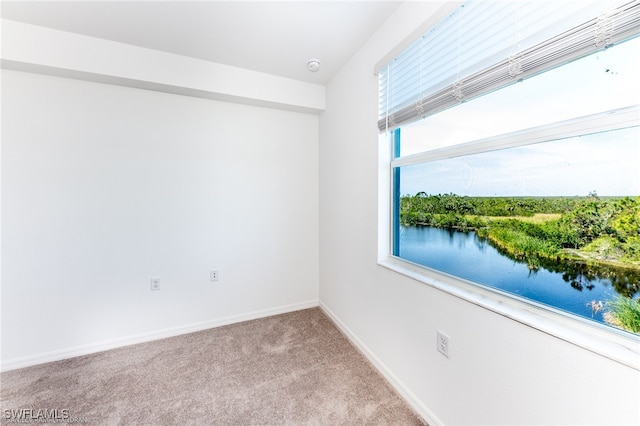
{"x":443,"y":343}
{"x":155,"y":284}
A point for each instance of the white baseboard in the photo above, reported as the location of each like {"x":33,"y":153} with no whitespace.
{"x":13,"y":364}
{"x":418,"y":406}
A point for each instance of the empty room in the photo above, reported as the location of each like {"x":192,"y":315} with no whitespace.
{"x":320,"y":212}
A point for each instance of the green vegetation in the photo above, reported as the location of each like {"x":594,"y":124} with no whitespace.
{"x":584,"y":237}
{"x":624,"y":313}
{"x":597,"y":230}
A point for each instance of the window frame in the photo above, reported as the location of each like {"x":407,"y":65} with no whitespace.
{"x":612,"y":343}
{"x":581,"y":126}
{"x":601,"y":339}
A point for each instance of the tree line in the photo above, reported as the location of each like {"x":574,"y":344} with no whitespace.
{"x":600,"y":228}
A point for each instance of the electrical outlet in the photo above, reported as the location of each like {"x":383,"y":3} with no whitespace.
{"x":155,"y":284}
{"x":443,"y":344}
{"x":213,"y":275}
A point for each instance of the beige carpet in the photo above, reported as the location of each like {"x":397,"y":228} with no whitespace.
{"x":290,"y":369}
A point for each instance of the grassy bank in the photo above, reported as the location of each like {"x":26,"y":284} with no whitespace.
{"x":623,"y":313}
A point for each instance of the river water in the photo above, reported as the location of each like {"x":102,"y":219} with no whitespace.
{"x":567,"y":286}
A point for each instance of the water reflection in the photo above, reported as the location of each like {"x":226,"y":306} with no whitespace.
{"x":583,"y":275}
{"x":567,"y":285}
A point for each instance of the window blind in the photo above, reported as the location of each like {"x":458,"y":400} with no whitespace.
{"x":485,"y":45}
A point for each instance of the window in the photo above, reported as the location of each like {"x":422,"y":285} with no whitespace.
{"x":515,"y":135}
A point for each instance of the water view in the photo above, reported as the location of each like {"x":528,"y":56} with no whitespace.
{"x":569,"y":286}
{"x":496,"y":191}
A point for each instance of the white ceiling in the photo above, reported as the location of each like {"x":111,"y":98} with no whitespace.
{"x":275,"y":37}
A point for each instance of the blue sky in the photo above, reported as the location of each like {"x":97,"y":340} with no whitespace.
{"x":607,"y":163}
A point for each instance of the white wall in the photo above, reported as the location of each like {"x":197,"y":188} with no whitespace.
{"x":500,"y":371}
{"x":106,"y":186}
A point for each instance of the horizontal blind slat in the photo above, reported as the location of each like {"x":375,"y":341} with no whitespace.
{"x":418,"y":91}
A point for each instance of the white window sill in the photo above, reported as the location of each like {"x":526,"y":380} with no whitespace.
{"x":600,"y":339}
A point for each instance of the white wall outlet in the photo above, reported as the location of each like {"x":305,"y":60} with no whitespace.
{"x":443,"y":344}
{"x":155,"y":284}
{"x":213,"y":275}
